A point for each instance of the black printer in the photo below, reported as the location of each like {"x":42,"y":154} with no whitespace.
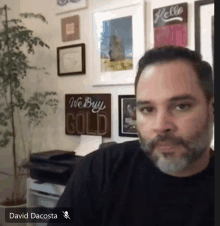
{"x":55,"y":166}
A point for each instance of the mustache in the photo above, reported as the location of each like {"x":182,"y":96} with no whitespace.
{"x":173,"y":140}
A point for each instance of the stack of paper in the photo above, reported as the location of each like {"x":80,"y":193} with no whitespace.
{"x":88,"y":144}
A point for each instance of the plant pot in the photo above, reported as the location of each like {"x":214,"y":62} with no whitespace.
{"x":2,"y":214}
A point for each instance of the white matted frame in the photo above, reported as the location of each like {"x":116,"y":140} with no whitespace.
{"x":204,"y":35}
{"x":204,"y":10}
{"x":137,"y":11}
{"x":66,"y":6}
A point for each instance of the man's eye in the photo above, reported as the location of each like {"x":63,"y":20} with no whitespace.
{"x":183,"y":107}
{"x":146,"y":110}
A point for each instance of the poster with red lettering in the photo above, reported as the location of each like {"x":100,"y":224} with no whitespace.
{"x":88,"y":114}
{"x":170,"y":25}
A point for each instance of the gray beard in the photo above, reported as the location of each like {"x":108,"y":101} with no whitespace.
{"x":195,"y":148}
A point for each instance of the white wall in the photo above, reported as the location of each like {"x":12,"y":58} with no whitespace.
{"x":52,"y":134}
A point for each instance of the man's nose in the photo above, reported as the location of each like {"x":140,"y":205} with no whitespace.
{"x":164,"y":122}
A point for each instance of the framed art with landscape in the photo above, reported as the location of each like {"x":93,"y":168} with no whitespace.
{"x":118,"y":44}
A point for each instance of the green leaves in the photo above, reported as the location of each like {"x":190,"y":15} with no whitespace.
{"x":19,"y":98}
{"x":32,"y":15}
{"x":16,"y":42}
{"x":16,"y":21}
{"x":53,"y":103}
{"x":36,"y":106}
{"x":3,"y":119}
{"x":6,"y":139}
{"x":17,"y":35}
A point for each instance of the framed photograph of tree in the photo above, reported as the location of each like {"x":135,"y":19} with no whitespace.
{"x":118,"y":43}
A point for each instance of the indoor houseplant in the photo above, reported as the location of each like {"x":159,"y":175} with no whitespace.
{"x":16,"y":42}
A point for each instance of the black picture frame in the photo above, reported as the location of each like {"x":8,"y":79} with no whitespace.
{"x":127,"y":127}
{"x":197,"y":5}
{"x":69,"y":55}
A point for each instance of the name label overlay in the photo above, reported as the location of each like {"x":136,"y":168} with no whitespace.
{"x":39,"y":215}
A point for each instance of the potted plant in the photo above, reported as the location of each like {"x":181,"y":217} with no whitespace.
{"x":16,"y":42}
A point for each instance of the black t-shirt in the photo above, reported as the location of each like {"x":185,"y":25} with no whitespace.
{"x":119,"y":185}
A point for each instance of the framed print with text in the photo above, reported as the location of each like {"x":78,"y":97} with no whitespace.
{"x":171,"y":25}
{"x":126,"y":110}
{"x":118,"y":44}
{"x":88,"y":114}
{"x":71,"y":60}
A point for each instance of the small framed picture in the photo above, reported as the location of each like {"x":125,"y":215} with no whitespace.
{"x":66,"y":6}
{"x":71,"y":60}
{"x":127,"y":108}
{"x":70,"y":28}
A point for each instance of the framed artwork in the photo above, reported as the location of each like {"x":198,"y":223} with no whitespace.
{"x":204,"y":35}
{"x":118,"y":44}
{"x":204,"y":30}
{"x":170,"y":25}
{"x":126,"y":110}
{"x":70,"y":28}
{"x":71,"y":60}
{"x":66,"y":6}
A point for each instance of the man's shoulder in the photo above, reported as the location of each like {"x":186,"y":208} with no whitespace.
{"x":102,"y":163}
{"x":119,"y":149}
{"x":114,"y":152}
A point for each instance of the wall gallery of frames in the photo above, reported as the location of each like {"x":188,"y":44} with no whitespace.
{"x":118,"y":44}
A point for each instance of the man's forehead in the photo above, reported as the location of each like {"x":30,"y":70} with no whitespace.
{"x":167,"y":79}
{"x":177,"y":65}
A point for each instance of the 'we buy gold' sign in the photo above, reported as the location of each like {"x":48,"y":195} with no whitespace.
{"x":88,"y":114}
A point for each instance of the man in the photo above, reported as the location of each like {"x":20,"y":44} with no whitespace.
{"x":166,"y":177}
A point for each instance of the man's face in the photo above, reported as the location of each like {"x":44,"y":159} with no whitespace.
{"x":173,"y":120}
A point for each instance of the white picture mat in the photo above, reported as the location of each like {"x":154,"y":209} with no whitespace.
{"x":206,"y":13}
{"x":71,"y":60}
{"x":70,"y":6}
{"x":138,"y":35}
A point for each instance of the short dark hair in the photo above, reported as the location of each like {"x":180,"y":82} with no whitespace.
{"x":170,"y":53}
